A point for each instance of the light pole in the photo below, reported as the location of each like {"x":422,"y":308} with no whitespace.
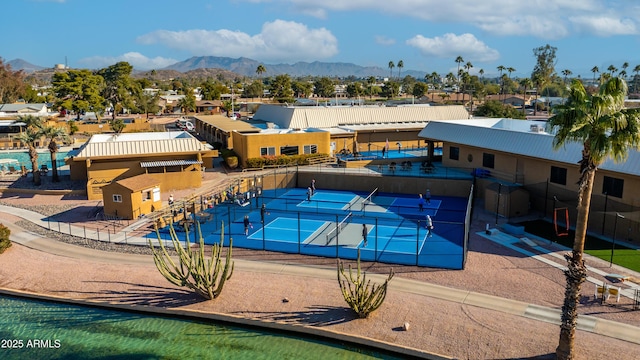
{"x":604,"y":214}
{"x":613,"y":242}
{"x":498,"y":203}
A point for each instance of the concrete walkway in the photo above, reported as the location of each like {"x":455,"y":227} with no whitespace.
{"x":587,"y":323}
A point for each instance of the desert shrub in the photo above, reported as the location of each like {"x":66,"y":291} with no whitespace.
{"x":5,"y":243}
{"x":204,"y":275}
{"x":302,"y":159}
{"x":230,"y":158}
{"x":362,"y":296}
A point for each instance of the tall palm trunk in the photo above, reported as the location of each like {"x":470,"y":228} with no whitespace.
{"x":576,"y":272}
{"x":524,"y":98}
{"x":53,"y":150}
{"x":33,"y":155}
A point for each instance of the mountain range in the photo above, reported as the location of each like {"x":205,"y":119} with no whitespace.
{"x":247,"y":67}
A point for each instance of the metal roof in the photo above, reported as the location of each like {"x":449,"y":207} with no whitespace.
{"x":139,"y":182}
{"x":514,"y":137}
{"x":148,"y":164}
{"x":303,"y":117}
{"x":138,"y":144}
{"x":227,"y":124}
{"x":34,"y":107}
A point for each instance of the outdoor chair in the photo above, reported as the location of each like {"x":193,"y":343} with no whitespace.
{"x":44,"y":170}
{"x":615,"y":292}
{"x":601,"y":292}
{"x":605,"y":291}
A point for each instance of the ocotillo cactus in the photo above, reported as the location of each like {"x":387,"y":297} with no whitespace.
{"x":205,"y":277}
{"x":362,"y":296}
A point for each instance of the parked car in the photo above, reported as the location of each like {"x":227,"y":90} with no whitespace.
{"x":185,"y":125}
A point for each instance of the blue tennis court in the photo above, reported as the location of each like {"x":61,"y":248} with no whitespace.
{"x":331,"y":224}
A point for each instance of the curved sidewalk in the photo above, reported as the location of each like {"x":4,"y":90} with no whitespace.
{"x":518,"y":308}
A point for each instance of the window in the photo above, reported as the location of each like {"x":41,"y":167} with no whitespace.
{"x":146,"y":195}
{"x":454,"y":153}
{"x":310,"y":149}
{"x":558,"y":175}
{"x":289,"y":150}
{"x":488,"y":160}
{"x":268,"y":151}
{"x":117,"y":198}
{"x":612,"y":186}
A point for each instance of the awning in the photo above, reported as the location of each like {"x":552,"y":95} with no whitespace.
{"x":149,"y":164}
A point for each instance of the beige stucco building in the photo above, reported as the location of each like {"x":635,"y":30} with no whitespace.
{"x":293,"y":130}
{"x":174,"y":158}
{"x":132,"y":197}
{"x":520,"y":152}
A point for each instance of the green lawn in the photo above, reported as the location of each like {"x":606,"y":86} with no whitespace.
{"x":623,"y":256}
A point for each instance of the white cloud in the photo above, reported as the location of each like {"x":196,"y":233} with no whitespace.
{"x":383,"y":40}
{"x":137,"y":60}
{"x":545,"y":28}
{"x":543,"y":19}
{"x":604,"y":25}
{"x":452,"y":45}
{"x":279,"y":40}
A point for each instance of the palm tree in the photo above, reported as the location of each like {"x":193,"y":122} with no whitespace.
{"x":391,"y":65}
{"x":612,"y":69}
{"x":501,"y":68}
{"x":481,"y":72}
{"x":400,"y":66}
{"x":459,"y":60}
{"x":468,"y":66}
{"x":606,"y":129}
{"x":509,"y":70}
{"x":53,"y":133}
{"x":29,"y":137}
{"x":371,"y":81}
{"x":566,"y":73}
{"x":537,"y":80}
{"x":188,"y":102}
{"x":636,"y":70}
{"x":622,"y":74}
{"x":450,"y":78}
{"x":595,"y":70}
{"x":525,"y":83}
{"x":261,"y":70}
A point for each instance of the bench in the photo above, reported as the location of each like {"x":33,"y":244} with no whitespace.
{"x":605,"y":291}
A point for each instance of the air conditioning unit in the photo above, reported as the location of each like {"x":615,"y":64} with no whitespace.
{"x":536,"y":128}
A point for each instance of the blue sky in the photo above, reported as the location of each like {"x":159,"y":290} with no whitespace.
{"x":427,"y":35}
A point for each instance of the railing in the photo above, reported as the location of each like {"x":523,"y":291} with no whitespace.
{"x":95,"y":211}
{"x":389,"y":170}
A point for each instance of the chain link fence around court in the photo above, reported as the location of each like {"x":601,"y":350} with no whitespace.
{"x":330,"y":227}
{"x":607,"y":214}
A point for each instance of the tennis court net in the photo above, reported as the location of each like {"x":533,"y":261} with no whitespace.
{"x":369,"y":198}
{"x":336,"y":231}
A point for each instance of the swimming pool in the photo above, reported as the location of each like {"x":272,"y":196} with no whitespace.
{"x":33,"y":329}
{"x":44,"y":158}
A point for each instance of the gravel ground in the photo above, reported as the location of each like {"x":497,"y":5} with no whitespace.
{"x":452,"y":329}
